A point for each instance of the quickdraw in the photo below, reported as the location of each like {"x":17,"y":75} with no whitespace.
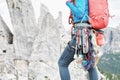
{"x":86,"y":47}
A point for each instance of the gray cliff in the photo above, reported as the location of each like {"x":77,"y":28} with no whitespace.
{"x":35,"y":48}
{"x":32,"y":50}
{"x":24,"y":26}
{"x":112,"y":40}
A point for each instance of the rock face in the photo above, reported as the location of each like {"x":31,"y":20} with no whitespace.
{"x":6,"y":52}
{"x":24,"y":26}
{"x":5,"y":35}
{"x":32,"y":51}
{"x":46,"y":49}
{"x":36,"y":47}
{"x":112,"y":37}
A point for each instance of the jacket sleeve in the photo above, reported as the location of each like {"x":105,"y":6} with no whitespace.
{"x":78,"y":9}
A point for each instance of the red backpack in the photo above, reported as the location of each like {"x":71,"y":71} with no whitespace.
{"x":98,"y":13}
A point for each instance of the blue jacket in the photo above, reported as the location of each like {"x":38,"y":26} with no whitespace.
{"x":79,"y":9}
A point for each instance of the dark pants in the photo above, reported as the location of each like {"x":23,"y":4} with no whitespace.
{"x":66,"y":58}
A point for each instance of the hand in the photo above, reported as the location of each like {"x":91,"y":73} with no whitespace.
{"x":70,"y":19}
{"x":72,"y":0}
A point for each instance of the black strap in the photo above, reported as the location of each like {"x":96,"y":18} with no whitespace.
{"x":82,"y":22}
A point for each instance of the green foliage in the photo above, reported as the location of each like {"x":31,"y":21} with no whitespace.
{"x":109,"y":65}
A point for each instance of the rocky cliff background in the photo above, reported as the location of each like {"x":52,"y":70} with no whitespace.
{"x":32,"y":50}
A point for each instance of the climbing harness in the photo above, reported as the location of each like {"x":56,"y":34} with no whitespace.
{"x":87,"y":42}
{"x":86,"y":48}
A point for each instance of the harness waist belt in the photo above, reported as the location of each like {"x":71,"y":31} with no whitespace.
{"x":82,"y":25}
{"x":82,"y":22}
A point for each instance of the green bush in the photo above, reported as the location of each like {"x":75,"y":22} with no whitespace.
{"x":109,"y":65}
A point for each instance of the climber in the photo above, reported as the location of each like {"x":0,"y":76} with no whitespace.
{"x":78,"y":9}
